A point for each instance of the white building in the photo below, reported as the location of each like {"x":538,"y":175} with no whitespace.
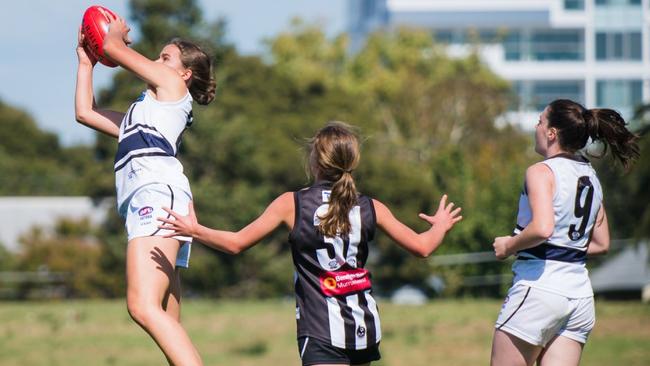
{"x":596,"y":52}
{"x":18,"y":215}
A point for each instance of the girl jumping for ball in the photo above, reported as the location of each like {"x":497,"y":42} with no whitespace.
{"x":148,"y":175}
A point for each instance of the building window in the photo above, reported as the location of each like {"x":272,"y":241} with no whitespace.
{"x":537,"y":94}
{"x":545,"y":45}
{"x":622,"y":95}
{"x":617,"y":2}
{"x":618,"y":46}
{"x":574,"y":4}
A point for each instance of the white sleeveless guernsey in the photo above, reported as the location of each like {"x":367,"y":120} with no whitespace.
{"x":148,"y":142}
{"x":558,"y":265}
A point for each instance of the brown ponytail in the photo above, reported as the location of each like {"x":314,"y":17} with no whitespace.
{"x":203,"y":86}
{"x":576,"y":124}
{"x":608,"y":126}
{"x":334,"y":154}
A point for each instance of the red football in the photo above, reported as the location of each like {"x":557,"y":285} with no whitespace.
{"x":94,"y":26}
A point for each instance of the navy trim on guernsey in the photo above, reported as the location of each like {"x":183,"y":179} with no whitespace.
{"x":516,"y":310}
{"x":171,"y":207}
{"x":130,"y":113}
{"x":142,"y":140}
{"x":141,"y":126}
{"x":139,"y":156}
{"x":555,"y":253}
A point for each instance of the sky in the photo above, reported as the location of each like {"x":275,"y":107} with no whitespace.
{"x":38,"y":62}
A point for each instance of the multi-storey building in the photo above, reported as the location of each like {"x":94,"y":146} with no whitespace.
{"x":593,"y":51}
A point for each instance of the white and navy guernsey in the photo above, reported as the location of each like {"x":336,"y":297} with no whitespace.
{"x":334,"y":301}
{"x":558,"y":265}
{"x":148,"y":142}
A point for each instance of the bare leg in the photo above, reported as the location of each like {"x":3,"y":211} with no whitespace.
{"x":561,"y":351}
{"x":508,"y":350}
{"x":172,"y":300}
{"x":150,"y":273}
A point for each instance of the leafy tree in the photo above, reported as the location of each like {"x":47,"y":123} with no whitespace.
{"x":32,"y":161}
{"x":70,"y":250}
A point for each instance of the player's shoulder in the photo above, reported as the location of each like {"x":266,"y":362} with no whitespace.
{"x":540,"y":168}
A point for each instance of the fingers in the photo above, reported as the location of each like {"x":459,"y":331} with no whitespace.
{"x":426,"y":218}
{"x":165,"y":220}
{"x":109,"y":15}
{"x":456,"y":211}
{"x":191,"y":211}
{"x":443,"y":202}
{"x":173,"y":213}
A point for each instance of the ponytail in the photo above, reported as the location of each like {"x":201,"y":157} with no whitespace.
{"x":608,"y":126}
{"x":576,"y":124}
{"x":334,"y":155}
{"x":342,"y":199}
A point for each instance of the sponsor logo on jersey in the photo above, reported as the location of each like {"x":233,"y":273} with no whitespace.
{"x":333,"y":264}
{"x":145,"y":211}
{"x":326,"y":195}
{"x":361,"y":331}
{"x":344,"y":282}
{"x":132,"y":174}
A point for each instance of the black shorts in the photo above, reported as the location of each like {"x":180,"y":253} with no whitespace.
{"x":313,"y":352}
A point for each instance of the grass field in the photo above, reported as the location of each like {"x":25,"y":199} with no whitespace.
{"x":449,"y":332}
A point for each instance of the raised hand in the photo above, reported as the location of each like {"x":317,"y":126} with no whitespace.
{"x":181,"y":225}
{"x":117,"y":27}
{"x":444,"y":217}
{"x":84,"y":57}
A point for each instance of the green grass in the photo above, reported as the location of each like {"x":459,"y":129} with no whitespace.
{"x":449,"y":332}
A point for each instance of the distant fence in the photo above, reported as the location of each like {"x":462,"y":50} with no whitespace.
{"x":38,"y":284}
{"x":616,"y":245}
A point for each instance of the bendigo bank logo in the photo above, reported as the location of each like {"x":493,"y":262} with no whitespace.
{"x":329,"y":283}
{"x":344,"y":282}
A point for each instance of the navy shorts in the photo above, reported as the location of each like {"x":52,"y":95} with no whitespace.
{"x":314,"y":352}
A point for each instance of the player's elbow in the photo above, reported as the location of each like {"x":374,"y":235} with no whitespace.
{"x":233,"y":248}
{"x":544,"y":230}
{"x":424,"y":252}
{"x":81,"y":117}
{"x":598,"y":248}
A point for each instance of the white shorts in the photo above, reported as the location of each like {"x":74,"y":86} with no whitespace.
{"x":145,"y":206}
{"x":536,"y":316}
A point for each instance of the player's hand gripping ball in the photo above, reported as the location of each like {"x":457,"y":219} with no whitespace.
{"x":94,"y":26}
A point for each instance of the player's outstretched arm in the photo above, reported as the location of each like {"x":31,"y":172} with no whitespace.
{"x":280,"y":211}
{"x":425,"y":243}
{"x":86,"y":112}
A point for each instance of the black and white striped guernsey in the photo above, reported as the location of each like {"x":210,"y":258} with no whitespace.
{"x":334,"y":301}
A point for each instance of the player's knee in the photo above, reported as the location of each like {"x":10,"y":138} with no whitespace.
{"x":141,"y":312}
